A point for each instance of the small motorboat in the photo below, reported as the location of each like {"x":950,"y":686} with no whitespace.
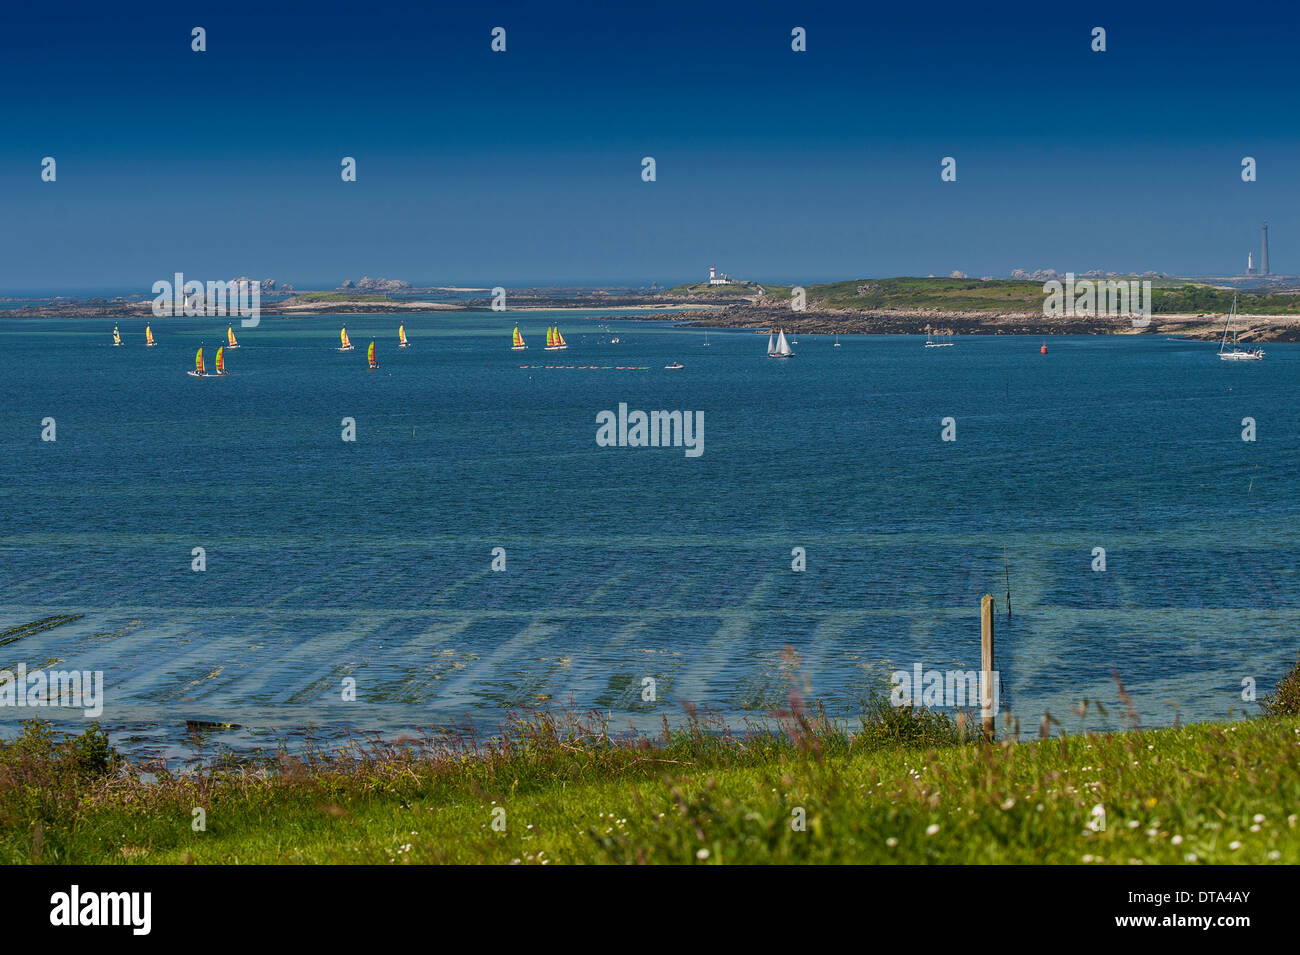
{"x":674,"y":366}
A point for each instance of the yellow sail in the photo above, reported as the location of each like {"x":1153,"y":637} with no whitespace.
{"x":370,"y":355}
{"x":559,"y":339}
{"x":401,"y":334}
{"x":148,"y":335}
{"x":519,"y":339}
{"x":117,"y":339}
{"x":230,"y":337}
{"x":198,"y":360}
{"x":343,"y":337}
{"x":221,"y":363}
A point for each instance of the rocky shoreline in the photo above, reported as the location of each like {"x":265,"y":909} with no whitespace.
{"x":1200,"y":327}
{"x":761,"y":317}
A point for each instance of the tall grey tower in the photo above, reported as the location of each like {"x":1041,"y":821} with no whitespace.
{"x":1263,"y":252}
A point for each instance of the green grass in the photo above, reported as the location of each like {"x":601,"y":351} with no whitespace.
{"x":309,"y":297}
{"x":911,"y":787}
{"x":996,"y":295}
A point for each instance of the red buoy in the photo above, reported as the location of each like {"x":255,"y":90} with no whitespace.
{"x":1043,"y":350}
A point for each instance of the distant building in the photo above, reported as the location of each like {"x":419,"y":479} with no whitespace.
{"x":1250,"y":263}
{"x":718,"y":278}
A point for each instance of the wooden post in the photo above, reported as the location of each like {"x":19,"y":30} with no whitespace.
{"x":986,"y":666}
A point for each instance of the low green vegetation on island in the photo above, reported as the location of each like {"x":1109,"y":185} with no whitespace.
{"x":308,"y":298}
{"x":910,"y":786}
{"x":1169,"y":296}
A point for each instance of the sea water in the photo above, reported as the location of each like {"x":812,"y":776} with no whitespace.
{"x":368,"y":564}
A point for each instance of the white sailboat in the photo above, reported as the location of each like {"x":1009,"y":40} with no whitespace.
{"x":837,"y":339}
{"x":1237,"y":353}
{"x":780,"y":348}
{"x":931,"y":343}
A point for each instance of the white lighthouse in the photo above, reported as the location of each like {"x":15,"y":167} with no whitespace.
{"x":718,"y":278}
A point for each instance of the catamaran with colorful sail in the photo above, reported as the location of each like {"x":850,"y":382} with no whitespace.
{"x":221,"y":361}
{"x":560,"y":343}
{"x":148,"y":337}
{"x":346,"y":342}
{"x":230,"y":337}
{"x":401,"y":337}
{"x":553,"y":339}
{"x":198,"y":371}
{"x":117,"y":339}
{"x":518,"y":344}
{"x":370,"y":357}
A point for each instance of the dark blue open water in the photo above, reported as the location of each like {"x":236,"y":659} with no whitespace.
{"x":371,"y":559}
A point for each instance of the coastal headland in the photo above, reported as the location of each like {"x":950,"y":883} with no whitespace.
{"x":1182,"y":308}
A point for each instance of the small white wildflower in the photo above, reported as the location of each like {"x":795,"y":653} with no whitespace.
{"x":932,"y":829}
{"x":1259,"y":817}
{"x":702,"y":854}
{"x":891,"y":842}
{"x":1234,"y":845}
{"x":1176,"y":840}
{"x":1010,"y":801}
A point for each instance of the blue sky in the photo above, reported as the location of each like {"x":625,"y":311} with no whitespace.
{"x":524,"y":167}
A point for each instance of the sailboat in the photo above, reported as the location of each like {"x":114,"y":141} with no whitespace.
{"x":837,"y":339}
{"x":343,"y":337}
{"x":553,"y":339}
{"x":198,"y":371}
{"x":230,"y":337}
{"x":780,"y":348}
{"x":931,"y":343}
{"x":221,"y":361}
{"x":559,"y":339}
{"x":370,"y":357}
{"x":401,"y":337}
{"x":518,"y":343}
{"x":148,"y":337}
{"x":1237,"y":353}
{"x":706,"y":339}
{"x":117,"y":339}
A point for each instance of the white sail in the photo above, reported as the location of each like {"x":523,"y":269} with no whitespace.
{"x":771,"y":344}
{"x":1237,"y":353}
{"x":783,"y":346}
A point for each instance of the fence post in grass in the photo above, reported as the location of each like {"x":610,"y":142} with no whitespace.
{"x":987,"y":686}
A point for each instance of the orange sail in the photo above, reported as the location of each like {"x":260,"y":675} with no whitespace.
{"x":370,"y":356}
{"x":148,"y":337}
{"x":343,"y":337}
{"x":401,"y":335}
{"x":221,"y":363}
{"x":230,"y":337}
{"x":559,"y":339}
{"x":518,"y":344}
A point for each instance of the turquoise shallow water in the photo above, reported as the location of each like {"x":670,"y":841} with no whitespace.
{"x":370,"y":559}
